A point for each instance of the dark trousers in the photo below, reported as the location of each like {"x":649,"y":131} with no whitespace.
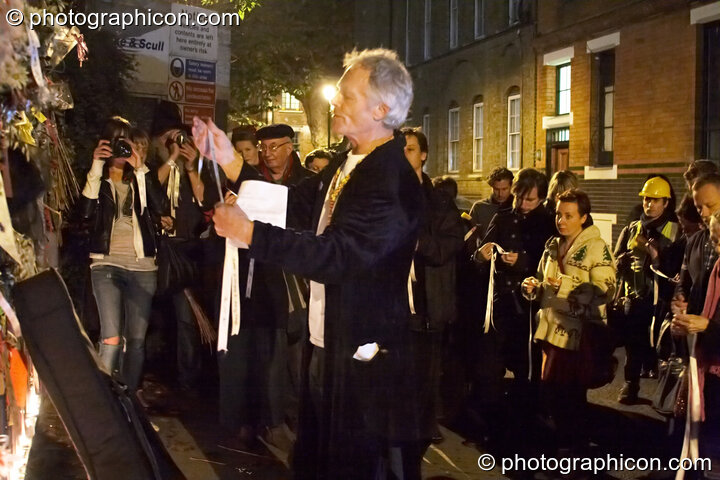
{"x":251,"y":390}
{"x":406,"y":461}
{"x":188,"y":342}
{"x":324,"y":451}
{"x":506,"y":346}
{"x":636,"y":335}
{"x":567,"y":405}
{"x":506,"y":409}
{"x":294,"y":376}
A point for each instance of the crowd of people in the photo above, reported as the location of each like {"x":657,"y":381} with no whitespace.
{"x":353,"y":316}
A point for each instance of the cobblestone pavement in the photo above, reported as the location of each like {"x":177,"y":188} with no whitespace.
{"x":190,"y":431}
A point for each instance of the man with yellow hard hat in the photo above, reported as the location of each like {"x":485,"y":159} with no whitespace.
{"x":641,"y":245}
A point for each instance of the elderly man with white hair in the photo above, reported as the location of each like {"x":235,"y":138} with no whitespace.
{"x":361,"y":217}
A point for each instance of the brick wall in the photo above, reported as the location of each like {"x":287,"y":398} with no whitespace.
{"x":655,"y":77}
{"x":461,"y":79}
{"x":655,"y":91}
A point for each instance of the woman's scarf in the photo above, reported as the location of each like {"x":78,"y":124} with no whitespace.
{"x":650,"y":225}
{"x":286,"y":174}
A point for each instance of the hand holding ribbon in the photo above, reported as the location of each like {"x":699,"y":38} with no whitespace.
{"x":212,"y":142}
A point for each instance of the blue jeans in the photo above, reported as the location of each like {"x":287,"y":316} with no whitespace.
{"x":124,"y":299}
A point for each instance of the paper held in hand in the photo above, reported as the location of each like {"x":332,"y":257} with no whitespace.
{"x":264,"y":202}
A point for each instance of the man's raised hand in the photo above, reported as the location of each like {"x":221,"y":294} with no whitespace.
{"x":212,"y":143}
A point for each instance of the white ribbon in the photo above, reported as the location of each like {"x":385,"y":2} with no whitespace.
{"x":142,"y":189}
{"x":656,"y":296}
{"x":230,"y":298}
{"x":469,"y":233}
{"x":491,"y":287}
{"x":33,"y":48}
{"x":411,"y":278}
{"x":692,"y":418}
{"x":251,"y":274}
{"x":173,"y":187}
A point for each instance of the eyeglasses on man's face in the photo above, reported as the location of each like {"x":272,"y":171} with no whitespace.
{"x":272,"y":148}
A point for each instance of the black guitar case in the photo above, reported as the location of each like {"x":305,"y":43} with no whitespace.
{"x":110,"y":432}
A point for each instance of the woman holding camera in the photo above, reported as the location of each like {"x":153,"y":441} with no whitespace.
{"x":124,"y":204}
{"x":575,"y":278}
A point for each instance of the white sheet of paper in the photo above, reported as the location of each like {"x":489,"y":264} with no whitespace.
{"x":263,"y":201}
{"x":366,"y":352}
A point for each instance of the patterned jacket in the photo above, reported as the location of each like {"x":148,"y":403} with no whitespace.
{"x":587,"y":283}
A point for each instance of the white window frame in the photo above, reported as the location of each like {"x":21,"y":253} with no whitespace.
{"x":479,"y":18}
{"x":454,"y":23}
{"x":478,"y":135}
{"x":559,"y":92}
{"x":513,"y":12}
{"x":427,"y":29}
{"x":608,"y":120}
{"x":453,"y":163}
{"x":514,"y":133}
{"x":288,"y":101}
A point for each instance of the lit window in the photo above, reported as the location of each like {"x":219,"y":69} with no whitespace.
{"x":478,"y":110}
{"x":563,"y":89}
{"x":289,"y":102}
{"x":453,"y":139}
{"x":514,"y":136}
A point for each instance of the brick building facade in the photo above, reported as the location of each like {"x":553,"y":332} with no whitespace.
{"x":610,"y":89}
{"x":461,"y":98}
{"x":636,"y":103}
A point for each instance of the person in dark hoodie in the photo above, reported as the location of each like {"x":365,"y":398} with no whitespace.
{"x":176,"y":163}
{"x":433,"y":299}
{"x":516,"y":238}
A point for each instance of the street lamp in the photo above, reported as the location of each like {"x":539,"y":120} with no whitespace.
{"x":329,"y":92}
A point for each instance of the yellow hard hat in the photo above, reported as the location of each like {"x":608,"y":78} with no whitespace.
{"x":656,"y":187}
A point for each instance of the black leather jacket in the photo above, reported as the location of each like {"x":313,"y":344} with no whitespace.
{"x":101,"y":212}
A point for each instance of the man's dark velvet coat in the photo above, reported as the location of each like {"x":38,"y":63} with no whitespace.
{"x":363,"y":258}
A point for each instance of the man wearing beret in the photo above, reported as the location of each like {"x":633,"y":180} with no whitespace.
{"x":280,"y":163}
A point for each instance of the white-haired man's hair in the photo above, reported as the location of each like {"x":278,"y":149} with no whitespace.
{"x":390,"y":82}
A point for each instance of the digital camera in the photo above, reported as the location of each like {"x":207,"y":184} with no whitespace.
{"x":121,"y":148}
{"x":180,"y":139}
